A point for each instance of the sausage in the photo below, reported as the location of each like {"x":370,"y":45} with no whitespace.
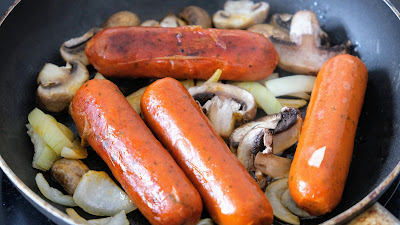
{"x":181,"y":53}
{"x":139,"y":162}
{"x":68,"y":173}
{"x":321,"y":163}
{"x":229,"y":193}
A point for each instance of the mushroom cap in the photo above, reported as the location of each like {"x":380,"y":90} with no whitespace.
{"x":269,"y":30}
{"x":282,"y":21}
{"x":284,"y":126}
{"x":172,"y":21}
{"x":306,"y":39}
{"x":58,"y":85}
{"x":122,"y":18}
{"x":74,"y":49}
{"x":150,"y":23}
{"x":225,"y":105}
{"x":259,"y":139}
{"x":195,"y":15}
{"x":240,"y":14}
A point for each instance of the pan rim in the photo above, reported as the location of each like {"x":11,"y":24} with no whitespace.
{"x":45,"y":206}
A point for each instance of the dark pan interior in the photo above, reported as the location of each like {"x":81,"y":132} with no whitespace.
{"x":34,"y":31}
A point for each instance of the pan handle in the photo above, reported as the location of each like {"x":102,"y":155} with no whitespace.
{"x":376,"y":214}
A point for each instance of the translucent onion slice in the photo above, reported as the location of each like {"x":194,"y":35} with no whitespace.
{"x":302,"y":95}
{"x":264,"y":98}
{"x":99,"y":195}
{"x":295,"y":103}
{"x":117,"y":219}
{"x":290,"y":84}
{"x":44,"y":156}
{"x":53,"y":194}
{"x":187,"y":83}
{"x":67,"y":132}
{"x":289,"y":203}
{"x":274,"y":192}
{"x":134,"y":99}
{"x":99,"y":76}
{"x":206,"y":221}
{"x":49,"y":130}
{"x":270,"y":77}
{"x":215,"y":77}
{"x":75,"y":152}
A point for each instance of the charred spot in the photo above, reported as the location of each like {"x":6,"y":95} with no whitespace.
{"x":289,"y":118}
{"x":196,"y":53}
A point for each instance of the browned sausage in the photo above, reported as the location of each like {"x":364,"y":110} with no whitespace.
{"x":137,"y":160}
{"x":181,"y":52}
{"x":230,"y":194}
{"x":323,"y":155}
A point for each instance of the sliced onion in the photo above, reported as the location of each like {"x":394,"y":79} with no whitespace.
{"x":75,"y":216}
{"x":290,"y":84}
{"x":75,"y":152}
{"x":289,"y":203}
{"x":48,"y":128}
{"x":274,"y":192}
{"x":302,"y":95}
{"x":99,"y":76}
{"x":264,"y":98}
{"x":99,"y":195}
{"x":134,"y":99}
{"x":295,"y":103}
{"x":53,"y":194}
{"x":117,"y":219}
{"x":206,"y":221}
{"x":215,"y":77}
{"x":44,"y":156}
{"x":270,"y":77}
{"x":68,"y":132}
{"x":187,"y":83}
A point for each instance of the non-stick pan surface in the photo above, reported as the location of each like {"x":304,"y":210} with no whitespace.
{"x":34,"y":31}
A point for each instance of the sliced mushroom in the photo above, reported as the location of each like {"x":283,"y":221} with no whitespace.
{"x":272,"y":165}
{"x":282,"y":21}
{"x":284,"y":126}
{"x":68,"y":173}
{"x":74,"y":49}
{"x":58,"y":85}
{"x":270,"y":31}
{"x":257,"y":140}
{"x":225,"y":105}
{"x":122,"y":18}
{"x":195,"y":15}
{"x":172,"y":21}
{"x":241,"y":14}
{"x":150,"y":23}
{"x":261,"y":179}
{"x":304,"y":54}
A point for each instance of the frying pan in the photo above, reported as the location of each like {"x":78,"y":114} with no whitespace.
{"x":34,"y":30}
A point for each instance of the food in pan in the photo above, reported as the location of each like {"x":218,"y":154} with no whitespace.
{"x":242,"y":63}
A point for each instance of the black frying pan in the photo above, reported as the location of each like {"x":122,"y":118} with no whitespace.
{"x":33,"y":32}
